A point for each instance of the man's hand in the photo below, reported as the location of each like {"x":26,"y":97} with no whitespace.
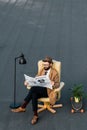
{"x":26,"y":83}
{"x":52,"y":83}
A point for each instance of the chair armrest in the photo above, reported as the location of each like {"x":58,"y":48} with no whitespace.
{"x":60,"y":87}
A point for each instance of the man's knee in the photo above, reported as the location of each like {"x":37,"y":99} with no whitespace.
{"x":33,"y":89}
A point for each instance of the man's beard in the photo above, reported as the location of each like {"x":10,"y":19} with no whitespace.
{"x":47,"y":68}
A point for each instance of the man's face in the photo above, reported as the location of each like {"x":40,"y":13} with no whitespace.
{"x":46,"y":65}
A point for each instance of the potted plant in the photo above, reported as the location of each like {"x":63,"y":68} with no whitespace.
{"x":76,"y":99}
{"x":77,"y":92}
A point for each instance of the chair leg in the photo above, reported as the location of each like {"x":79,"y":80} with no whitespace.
{"x":51,"y":110}
{"x":57,"y":105}
{"x":42,"y":107}
{"x":45,"y":106}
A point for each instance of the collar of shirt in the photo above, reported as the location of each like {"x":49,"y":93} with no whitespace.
{"x":48,"y":72}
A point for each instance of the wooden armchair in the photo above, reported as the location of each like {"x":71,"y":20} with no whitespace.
{"x":46,"y":101}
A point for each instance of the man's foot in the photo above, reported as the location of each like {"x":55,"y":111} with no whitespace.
{"x":19,"y":109}
{"x":34,"y":120}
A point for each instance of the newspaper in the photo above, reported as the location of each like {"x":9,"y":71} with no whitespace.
{"x":42,"y":81}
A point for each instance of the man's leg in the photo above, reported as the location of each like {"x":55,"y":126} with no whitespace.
{"x":34,"y":94}
{"x":38,"y":92}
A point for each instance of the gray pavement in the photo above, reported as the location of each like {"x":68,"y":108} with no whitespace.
{"x":37,"y":28}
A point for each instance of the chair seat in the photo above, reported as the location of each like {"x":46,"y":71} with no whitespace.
{"x":44,"y":99}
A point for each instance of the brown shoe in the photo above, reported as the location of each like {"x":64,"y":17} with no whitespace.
{"x":34,"y":120}
{"x":19,"y":109}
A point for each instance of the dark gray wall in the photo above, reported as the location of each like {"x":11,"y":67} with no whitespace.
{"x":37,"y":28}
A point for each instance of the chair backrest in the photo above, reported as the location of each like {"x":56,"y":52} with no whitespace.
{"x":56,"y":65}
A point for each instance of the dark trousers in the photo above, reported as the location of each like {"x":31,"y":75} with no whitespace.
{"x":35,"y":93}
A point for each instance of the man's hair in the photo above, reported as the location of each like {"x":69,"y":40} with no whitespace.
{"x":48,"y":59}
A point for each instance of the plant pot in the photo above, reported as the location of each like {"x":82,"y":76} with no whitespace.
{"x":76,"y":104}
{"x":77,"y":100}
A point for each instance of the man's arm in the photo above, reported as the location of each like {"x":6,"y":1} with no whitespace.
{"x":56,"y":81}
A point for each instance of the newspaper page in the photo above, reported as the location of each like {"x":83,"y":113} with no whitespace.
{"x":42,"y":81}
